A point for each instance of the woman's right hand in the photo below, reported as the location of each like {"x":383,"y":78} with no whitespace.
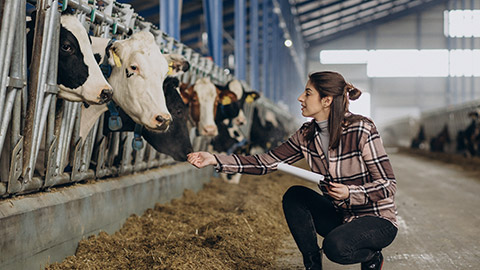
{"x":201,"y":159}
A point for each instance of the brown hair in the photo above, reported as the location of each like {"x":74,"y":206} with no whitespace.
{"x":329,"y":83}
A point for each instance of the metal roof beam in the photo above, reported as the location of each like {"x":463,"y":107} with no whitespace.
{"x":338,"y":34}
{"x":386,"y":5}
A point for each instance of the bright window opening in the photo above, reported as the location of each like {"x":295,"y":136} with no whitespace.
{"x":409,"y":63}
{"x":462,"y":23}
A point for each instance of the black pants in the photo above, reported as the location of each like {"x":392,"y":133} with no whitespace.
{"x":308,"y":213}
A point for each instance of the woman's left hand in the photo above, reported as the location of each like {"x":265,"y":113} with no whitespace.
{"x":338,"y":191}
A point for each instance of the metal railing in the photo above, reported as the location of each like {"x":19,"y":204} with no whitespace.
{"x":40,"y":146}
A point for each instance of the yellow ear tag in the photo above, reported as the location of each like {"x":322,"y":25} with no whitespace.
{"x":226,"y":100}
{"x":170,"y":69}
{"x":249,"y":99}
{"x":117,"y":60}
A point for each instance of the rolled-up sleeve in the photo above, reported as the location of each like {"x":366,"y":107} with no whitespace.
{"x":383,"y":184}
{"x":288,"y":152}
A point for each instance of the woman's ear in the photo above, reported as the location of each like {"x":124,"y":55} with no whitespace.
{"x":326,"y":101}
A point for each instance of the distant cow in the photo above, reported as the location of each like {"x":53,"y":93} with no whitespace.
{"x":266,"y":131}
{"x":230,"y":117}
{"x":138,"y":70}
{"x":79,"y":77}
{"x":175,"y":142}
{"x":203,"y":98}
{"x":235,"y":109}
{"x":437,"y":143}
{"x":468,"y":140}
{"x":417,"y":141}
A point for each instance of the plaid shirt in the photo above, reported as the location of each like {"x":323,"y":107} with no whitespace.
{"x":359,"y":161}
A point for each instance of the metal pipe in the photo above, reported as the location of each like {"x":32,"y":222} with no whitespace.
{"x":100,"y":17}
{"x":46,"y":52}
{"x":9,"y":17}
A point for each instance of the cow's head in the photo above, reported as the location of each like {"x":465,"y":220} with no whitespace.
{"x":139,"y":69}
{"x":176,"y":141}
{"x":202,"y":99}
{"x":243,"y":97}
{"x":79,"y":77}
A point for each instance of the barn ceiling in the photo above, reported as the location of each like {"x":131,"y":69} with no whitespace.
{"x":318,"y":21}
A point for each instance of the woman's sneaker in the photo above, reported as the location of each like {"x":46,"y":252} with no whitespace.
{"x":374,"y":263}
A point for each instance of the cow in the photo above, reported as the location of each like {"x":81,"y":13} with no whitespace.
{"x":203,"y":98}
{"x":79,"y":78}
{"x":229,"y":118}
{"x":468,"y":140}
{"x":266,"y":132}
{"x":138,"y":70}
{"x":176,"y":141}
{"x":418,"y":141}
{"x":437,"y":143}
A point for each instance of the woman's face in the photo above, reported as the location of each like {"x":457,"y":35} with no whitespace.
{"x":313,"y":105}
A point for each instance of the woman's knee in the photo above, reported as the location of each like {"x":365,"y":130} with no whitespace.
{"x":293,"y":194}
{"x":337,"y":249}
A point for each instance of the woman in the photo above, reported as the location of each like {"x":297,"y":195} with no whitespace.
{"x":356,"y":213}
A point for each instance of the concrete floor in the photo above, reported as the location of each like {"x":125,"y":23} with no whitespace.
{"x":438,"y":214}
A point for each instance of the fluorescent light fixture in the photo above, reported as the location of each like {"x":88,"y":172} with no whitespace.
{"x":343,"y":56}
{"x":462,"y":23}
{"x":408,"y":63}
{"x":288,"y":43}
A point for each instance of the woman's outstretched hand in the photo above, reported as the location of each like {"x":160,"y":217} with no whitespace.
{"x":201,"y":159}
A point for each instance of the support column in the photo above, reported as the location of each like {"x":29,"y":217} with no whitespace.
{"x":213,"y":11}
{"x":170,"y":13}
{"x":240,"y":33}
{"x":254,"y":48}
{"x":265,"y":46}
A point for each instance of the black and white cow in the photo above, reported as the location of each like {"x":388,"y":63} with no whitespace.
{"x":266,"y":132}
{"x":468,"y":140}
{"x":138,"y":70}
{"x":79,"y":77}
{"x":175,"y":142}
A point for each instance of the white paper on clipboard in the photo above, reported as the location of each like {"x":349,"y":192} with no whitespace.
{"x":302,"y":173}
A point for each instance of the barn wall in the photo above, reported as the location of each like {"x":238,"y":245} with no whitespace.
{"x":394,"y":98}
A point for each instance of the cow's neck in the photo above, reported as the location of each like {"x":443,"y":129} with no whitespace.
{"x":89,"y":117}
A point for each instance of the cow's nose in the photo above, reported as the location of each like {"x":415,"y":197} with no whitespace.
{"x":163,"y":122}
{"x":210,"y":130}
{"x":106,"y":95}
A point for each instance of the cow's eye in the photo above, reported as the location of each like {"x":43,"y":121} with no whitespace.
{"x":66,"y":48}
{"x":133,"y":67}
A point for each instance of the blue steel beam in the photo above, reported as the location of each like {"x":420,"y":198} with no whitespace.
{"x":266,"y":14}
{"x":213,"y":17}
{"x":254,"y":44}
{"x":240,"y":61}
{"x":170,"y":18}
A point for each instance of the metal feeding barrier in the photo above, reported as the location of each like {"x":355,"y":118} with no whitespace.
{"x":40,"y":146}
{"x":402,"y":131}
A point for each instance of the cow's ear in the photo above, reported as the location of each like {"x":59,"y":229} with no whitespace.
{"x":251,"y":96}
{"x":184,"y":93}
{"x":113,"y":56}
{"x":177,"y":64}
